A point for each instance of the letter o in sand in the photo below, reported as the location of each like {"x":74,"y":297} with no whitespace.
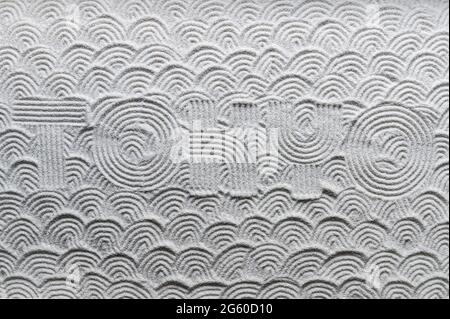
{"x":390,"y":151}
{"x":132,"y":142}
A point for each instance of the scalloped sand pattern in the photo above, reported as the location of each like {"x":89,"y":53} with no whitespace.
{"x":102,"y":197}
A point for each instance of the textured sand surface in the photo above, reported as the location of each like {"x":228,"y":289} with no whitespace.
{"x":224,"y":149}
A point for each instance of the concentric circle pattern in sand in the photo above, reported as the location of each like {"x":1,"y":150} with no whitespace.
{"x":224,"y":149}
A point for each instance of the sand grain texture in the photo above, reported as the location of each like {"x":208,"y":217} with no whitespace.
{"x":224,"y":149}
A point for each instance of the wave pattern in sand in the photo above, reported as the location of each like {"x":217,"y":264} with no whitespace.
{"x":98,"y":198}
